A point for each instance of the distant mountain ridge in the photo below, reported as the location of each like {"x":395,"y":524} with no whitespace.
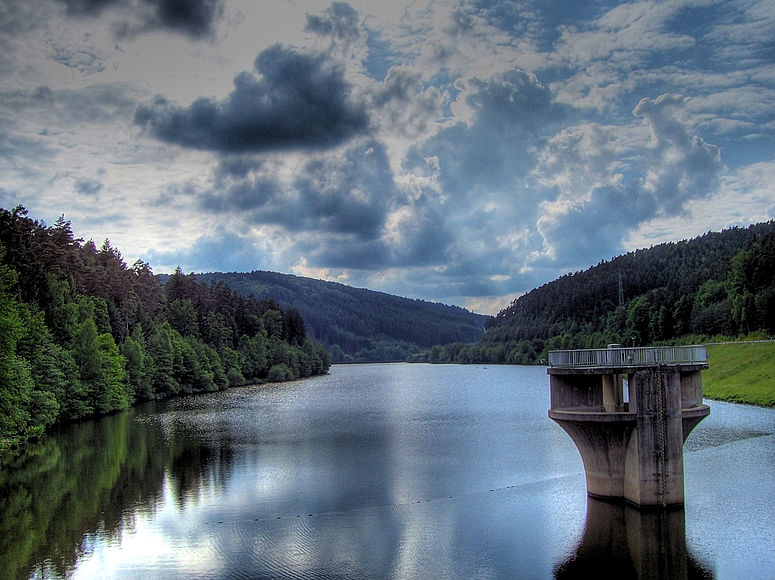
{"x":357,"y":324}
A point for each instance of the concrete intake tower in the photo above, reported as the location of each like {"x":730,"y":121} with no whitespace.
{"x":629,"y":411}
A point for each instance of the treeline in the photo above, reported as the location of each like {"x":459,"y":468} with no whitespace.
{"x":83,"y":334}
{"x":360,"y":325}
{"x":719,"y":285}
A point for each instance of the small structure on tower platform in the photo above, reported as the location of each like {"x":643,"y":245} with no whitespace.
{"x":629,"y":411}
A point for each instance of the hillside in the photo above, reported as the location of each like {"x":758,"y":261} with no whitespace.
{"x":356,"y":324}
{"x":741,"y":372}
{"x":83,"y":334}
{"x":720,"y":283}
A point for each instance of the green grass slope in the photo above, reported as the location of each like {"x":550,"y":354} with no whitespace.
{"x":741,"y":372}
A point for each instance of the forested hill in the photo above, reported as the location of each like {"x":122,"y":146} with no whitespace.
{"x":84,"y":334}
{"x":359,"y":324}
{"x":721,"y":283}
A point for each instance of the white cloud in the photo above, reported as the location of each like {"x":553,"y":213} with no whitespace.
{"x":597,"y":207}
{"x":580,"y":159}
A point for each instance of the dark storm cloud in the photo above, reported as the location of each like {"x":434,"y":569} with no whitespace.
{"x":194,"y":18}
{"x":422,"y":240}
{"x":246,"y":193}
{"x":351,"y":197}
{"x":299,"y":101}
{"x":236,"y":167}
{"x":348,"y":195}
{"x":337,"y":209}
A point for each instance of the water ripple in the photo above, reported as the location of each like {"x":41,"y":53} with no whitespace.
{"x":717,"y":436}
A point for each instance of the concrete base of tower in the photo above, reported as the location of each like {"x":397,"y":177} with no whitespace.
{"x":629,"y":425}
{"x":616,"y":465}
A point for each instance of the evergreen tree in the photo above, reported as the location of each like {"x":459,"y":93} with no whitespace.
{"x":16,"y":384}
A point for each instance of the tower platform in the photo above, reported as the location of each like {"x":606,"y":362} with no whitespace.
{"x":629,"y":411}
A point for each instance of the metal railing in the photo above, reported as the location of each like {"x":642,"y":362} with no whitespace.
{"x":629,"y":357}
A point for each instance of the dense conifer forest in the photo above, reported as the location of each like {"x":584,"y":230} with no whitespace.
{"x":717,"y":286}
{"x":84,"y":334}
{"x":357,"y":324}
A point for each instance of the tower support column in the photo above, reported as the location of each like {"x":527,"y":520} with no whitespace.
{"x":632,"y":449}
{"x":654,"y":461}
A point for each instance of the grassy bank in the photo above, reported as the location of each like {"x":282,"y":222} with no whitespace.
{"x":741,"y":372}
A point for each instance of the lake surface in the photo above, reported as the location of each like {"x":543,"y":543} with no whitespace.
{"x":375,"y":471}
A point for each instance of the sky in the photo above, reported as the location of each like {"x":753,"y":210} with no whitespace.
{"x":462,"y":152}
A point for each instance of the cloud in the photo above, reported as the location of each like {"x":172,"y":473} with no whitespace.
{"x":82,"y":56}
{"x":8,"y":198}
{"x":459,"y":213}
{"x":609,"y":55}
{"x":217,"y":251}
{"x":193,"y":18}
{"x":743,"y":36}
{"x":99,"y":103}
{"x":298,"y":101}
{"x":346,"y":253}
{"x":420,"y":236}
{"x":440,"y":150}
{"x":579,"y":233}
{"x":346,"y":195}
{"x":682,"y":166}
{"x":90,"y":7}
{"x":579,"y":159}
{"x":96,"y":103}
{"x":16,"y":148}
{"x":340,"y":22}
{"x":743,"y":197}
{"x":466,"y":211}
{"x":404,"y":105}
{"x":495,"y":141}
{"x":334,"y":211}
{"x":594,"y":213}
{"x":88,"y":186}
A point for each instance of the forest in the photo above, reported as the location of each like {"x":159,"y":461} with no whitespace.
{"x":360,"y":325}
{"x":718,"y":286}
{"x":83,"y":334}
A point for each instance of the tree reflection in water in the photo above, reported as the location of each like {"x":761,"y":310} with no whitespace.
{"x":626,"y":543}
{"x":57,"y":496}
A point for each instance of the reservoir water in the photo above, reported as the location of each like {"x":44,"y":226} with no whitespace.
{"x":374,"y":471}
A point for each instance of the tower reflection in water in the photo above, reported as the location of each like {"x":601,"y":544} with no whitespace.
{"x":625,"y":543}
